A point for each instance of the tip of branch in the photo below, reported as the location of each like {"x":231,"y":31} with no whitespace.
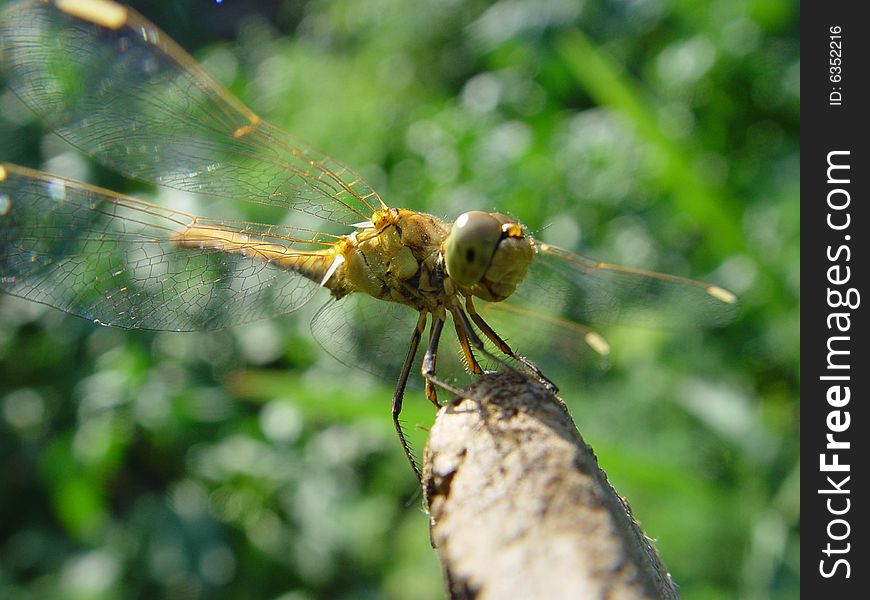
{"x":519,"y":507}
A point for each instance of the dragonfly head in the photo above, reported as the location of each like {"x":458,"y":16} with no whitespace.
{"x":487,"y":254}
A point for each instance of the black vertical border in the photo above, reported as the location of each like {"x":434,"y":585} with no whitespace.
{"x":826,"y":127}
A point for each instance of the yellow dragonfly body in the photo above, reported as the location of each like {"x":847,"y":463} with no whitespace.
{"x":120,"y":90}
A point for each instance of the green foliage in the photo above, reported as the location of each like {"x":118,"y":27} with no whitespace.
{"x":235,"y":464}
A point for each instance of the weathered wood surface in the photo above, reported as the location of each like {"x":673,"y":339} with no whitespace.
{"x":520,"y":509}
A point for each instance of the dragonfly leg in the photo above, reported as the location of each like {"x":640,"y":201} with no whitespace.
{"x":462,"y":334}
{"x":399,"y":394}
{"x":490,"y":333}
{"x":467,"y":336}
{"x":429,"y":359}
{"x":428,"y":368}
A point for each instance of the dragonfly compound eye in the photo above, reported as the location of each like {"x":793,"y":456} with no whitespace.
{"x":470,"y":246}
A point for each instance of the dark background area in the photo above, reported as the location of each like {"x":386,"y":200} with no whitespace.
{"x":248,"y":464}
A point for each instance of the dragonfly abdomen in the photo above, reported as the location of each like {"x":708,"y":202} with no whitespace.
{"x":312,"y":264}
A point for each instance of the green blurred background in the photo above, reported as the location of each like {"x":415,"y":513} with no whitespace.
{"x":246,"y":463}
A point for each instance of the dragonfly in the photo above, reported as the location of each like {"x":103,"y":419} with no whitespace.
{"x":116,"y":87}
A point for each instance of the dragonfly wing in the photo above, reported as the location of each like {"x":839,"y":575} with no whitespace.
{"x":581,"y":289}
{"x":119,"y":89}
{"x":525,"y":328}
{"x":544,"y":319}
{"x":374,"y":335}
{"x":119,"y":261}
{"x":361,"y":331}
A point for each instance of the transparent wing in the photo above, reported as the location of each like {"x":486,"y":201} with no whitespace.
{"x":360,"y":331}
{"x":128,"y":263}
{"x":115,"y":86}
{"x":559,"y":347}
{"x":584,"y":290}
{"x":374,"y":335}
{"x":544,"y":319}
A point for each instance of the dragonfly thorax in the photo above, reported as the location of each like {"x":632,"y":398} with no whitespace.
{"x":398,"y":259}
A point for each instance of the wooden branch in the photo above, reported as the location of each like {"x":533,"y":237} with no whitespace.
{"x":519,"y":508}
